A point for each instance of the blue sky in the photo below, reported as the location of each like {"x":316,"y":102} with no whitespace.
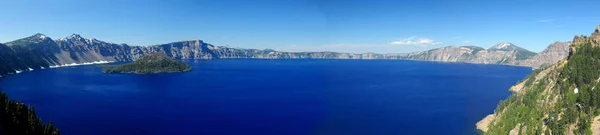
{"x":384,"y":26}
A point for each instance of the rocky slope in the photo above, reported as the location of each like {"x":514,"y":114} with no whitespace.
{"x":550,"y":55}
{"x":503,"y":53}
{"x":39,"y":51}
{"x":561,"y":98}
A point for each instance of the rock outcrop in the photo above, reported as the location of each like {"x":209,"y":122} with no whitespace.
{"x":483,"y":124}
{"x":550,"y":55}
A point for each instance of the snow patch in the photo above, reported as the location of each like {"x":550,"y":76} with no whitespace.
{"x":502,"y":45}
{"x":466,"y":49}
{"x":30,"y":69}
{"x":42,"y":68}
{"x":18,"y":71}
{"x":75,"y":36}
{"x":79,"y":64}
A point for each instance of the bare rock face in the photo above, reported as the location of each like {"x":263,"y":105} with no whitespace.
{"x":597,"y":31}
{"x":483,"y":125}
{"x":595,"y":37}
{"x":552,"y":54}
{"x":515,"y":131}
{"x":445,"y":54}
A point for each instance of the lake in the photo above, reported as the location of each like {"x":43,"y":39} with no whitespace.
{"x":270,"y":97}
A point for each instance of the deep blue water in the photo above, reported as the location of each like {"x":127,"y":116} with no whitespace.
{"x":270,"y":97}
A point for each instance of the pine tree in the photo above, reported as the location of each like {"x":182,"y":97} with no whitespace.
{"x":20,"y":119}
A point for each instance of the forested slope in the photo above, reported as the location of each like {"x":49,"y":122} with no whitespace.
{"x":17,"y":118}
{"x":560,"y":99}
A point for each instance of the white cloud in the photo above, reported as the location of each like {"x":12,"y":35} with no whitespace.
{"x":423,"y":42}
{"x":545,"y":21}
{"x":410,"y":44}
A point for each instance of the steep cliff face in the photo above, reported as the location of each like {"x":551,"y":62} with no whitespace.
{"x":8,"y":59}
{"x":503,"y":53}
{"x":563,"y":98}
{"x":76,"y":49}
{"x":445,"y":54}
{"x":550,"y":55}
{"x":40,"y":51}
{"x":28,"y":53}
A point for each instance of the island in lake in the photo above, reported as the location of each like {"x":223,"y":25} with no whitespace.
{"x":149,"y":64}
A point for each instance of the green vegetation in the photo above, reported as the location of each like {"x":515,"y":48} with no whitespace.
{"x":520,"y":110}
{"x":17,"y":118}
{"x":502,"y":61}
{"x":550,"y":105}
{"x":531,"y":77}
{"x":150,"y":63}
{"x":524,"y":54}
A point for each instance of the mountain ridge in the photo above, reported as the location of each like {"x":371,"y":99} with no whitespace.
{"x":77,"y":49}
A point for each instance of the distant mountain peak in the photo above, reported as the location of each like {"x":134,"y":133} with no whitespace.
{"x":193,"y":40}
{"x":78,"y":38}
{"x":75,"y":35}
{"x":36,"y":38}
{"x":503,"y":45}
{"x":521,"y":53}
{"x":507,"y":46}
{"x":39,"y":35}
